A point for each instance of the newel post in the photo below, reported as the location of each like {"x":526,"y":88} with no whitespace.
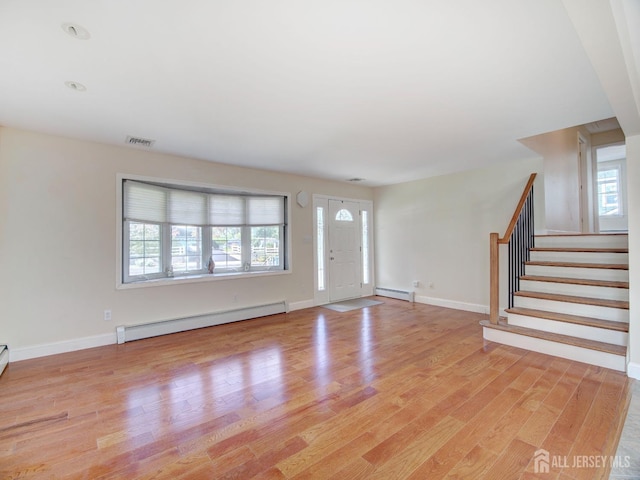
{"x":494,"y":285}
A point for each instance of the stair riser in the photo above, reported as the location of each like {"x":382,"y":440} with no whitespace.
{"x":603,"y":313}
{"x":581,"y":331}
{"x":571,"y":352}
{"x":575,"y":290}
{"x":574,"y":272}
{"x":583,"y":241}
{"x":581,"y":257}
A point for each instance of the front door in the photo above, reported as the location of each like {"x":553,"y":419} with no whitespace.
{"x":344,"y":250}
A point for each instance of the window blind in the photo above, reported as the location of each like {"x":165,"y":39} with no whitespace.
{"x":144,"y":203}
{"x":152,"y":203}
{"x":188,"y":208}
{"x":226,"y":210}
{"x":265,"y":210}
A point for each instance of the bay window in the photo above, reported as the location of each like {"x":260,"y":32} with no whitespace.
{"x":169,"y":231}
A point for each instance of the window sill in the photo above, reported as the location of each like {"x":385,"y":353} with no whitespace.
{"x":205,"y":277}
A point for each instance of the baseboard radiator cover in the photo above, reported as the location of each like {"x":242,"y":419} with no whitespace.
{"x":399,"y":294}
{"x":129,"y":333}
{"x":4,"y":357}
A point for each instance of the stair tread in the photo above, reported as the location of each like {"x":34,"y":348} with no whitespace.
{"x":559,"y":338}
{"x":576,"y":281}
{"x":580,"y":250}
{"x":576,"y":319}
{"x":598,"y":302}
{"x":613,"y":266}
{"x":581,"y":234}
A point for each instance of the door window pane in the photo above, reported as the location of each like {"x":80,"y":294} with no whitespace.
{"x":344,"y":215}
{"x":365,"y":247}
{"x":320,"y":246}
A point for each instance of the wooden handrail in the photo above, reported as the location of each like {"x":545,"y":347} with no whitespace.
{"x":516,"y":214}
{"x":494,"y":243}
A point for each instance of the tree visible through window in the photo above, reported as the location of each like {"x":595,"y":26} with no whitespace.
{"x":144,"y":249}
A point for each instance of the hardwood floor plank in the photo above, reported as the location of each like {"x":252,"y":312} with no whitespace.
{"x":409,"y":458}
{"x":358,"y":469}
{"x":512,"y":462}
{"x":467,"y":437}
{"x":599,"y":418}
{"x":538,"y":426}
{"x":473,"y":465}
{"x":399,"y":390}
{"x":332,"y":462}
{"x":190,"y":467}
{"x":572,"y":417}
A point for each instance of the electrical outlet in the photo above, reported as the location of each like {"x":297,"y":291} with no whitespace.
{"x":107,"y":315}
{"x":416,"y":283}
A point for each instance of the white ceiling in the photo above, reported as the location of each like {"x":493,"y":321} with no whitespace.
{"x":385,"y":90}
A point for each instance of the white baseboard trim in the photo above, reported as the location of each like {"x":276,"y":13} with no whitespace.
{"x":633,"y":370}
{"x":301,"y":305}
{"x":441,"y":302}
{"x":35,"y":351}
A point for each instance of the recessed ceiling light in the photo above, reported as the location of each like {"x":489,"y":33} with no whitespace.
{"x":78,"y":87}
{"x":76,"y":31}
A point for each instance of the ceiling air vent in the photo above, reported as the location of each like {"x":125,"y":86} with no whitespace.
{"x":140,"y":142}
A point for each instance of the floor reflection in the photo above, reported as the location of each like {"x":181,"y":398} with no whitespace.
{"x":323,"y":358}
{"x":366,"y":347}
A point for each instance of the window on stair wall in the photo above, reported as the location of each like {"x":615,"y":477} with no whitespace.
{"x":610,"y":187}
{"x":609,"y":179}
{"x":173,"y":231}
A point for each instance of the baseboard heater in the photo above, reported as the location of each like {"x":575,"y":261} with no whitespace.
{"x":4,"y":357}
{"x":399,"y":294}
{"x":128,"y":333}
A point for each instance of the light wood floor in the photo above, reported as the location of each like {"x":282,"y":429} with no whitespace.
{"x":394,"y":391}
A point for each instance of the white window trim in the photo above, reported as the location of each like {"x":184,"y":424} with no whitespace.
{"x":194,"y":278}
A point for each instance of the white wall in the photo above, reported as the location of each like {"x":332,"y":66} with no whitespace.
{"x":58,"y":242}
{"x":633,"y":187}
{"x":561,"y":177}
{"x":436,"y":231}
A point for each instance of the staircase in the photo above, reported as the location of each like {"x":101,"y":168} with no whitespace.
{"x":573,"y":301}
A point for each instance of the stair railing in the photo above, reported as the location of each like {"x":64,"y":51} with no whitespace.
{"x":520,"y":240}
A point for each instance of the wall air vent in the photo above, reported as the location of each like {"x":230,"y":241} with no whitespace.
{"x":140,"y":142}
